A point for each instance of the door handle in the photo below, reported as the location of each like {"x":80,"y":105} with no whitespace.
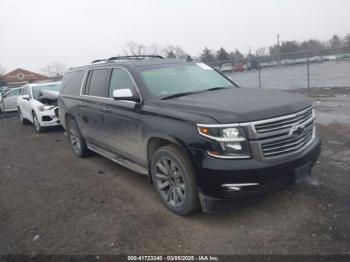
{"x":106,"y":109}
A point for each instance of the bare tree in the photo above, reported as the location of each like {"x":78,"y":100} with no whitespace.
{"x":174,"y":51}
{"x":154,"y":49}
{"x":261,"y":51}
{"x":54,"y":69}
{"x":171,"y":51}
{"x":133,"y":48}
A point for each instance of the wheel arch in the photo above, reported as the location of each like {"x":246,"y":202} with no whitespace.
{"x":157,"y":141}
{"x":67,"y":116}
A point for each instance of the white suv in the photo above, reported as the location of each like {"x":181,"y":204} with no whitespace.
{"x":37,"y":103}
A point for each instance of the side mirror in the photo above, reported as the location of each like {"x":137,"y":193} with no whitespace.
{"x":26,"y":97}
{"x":124,"y":94}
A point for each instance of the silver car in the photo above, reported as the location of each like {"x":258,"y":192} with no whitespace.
{"x":8,"y":101}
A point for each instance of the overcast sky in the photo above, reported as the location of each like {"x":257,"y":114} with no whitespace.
{"x":74,"y":32}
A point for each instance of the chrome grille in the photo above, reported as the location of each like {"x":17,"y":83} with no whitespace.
{"x":284,"y":135}
{"x":285,"y":122}
{"x":288,"y":145}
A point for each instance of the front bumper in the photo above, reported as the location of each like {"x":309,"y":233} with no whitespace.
{"x":270,"y":176}
{"x":48,"y":118}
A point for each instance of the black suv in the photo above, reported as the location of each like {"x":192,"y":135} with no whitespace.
{"x":201,"y":140}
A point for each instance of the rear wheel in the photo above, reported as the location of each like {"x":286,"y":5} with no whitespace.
{"x":173,"y":178}
{"x":21,"y":118}
{"x":76,"y":139}
{"x":37,"y":125}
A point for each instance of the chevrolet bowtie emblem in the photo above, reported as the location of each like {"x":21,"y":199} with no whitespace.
{"x":297,"y":131}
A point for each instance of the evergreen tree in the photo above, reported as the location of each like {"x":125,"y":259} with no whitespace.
{"x":221,"y":55}
{"x":207,"y":55}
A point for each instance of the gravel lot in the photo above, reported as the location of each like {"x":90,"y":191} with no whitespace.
{"x":54,"y":203}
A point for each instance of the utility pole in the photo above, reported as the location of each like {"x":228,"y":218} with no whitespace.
{"x":259,"y":69}
{"x":308,"y":69}
{"x":278,"y":50}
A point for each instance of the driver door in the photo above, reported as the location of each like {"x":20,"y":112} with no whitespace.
{"x":10,"y":100}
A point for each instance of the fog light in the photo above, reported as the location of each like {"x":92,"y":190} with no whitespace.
{"x":238,"y":186}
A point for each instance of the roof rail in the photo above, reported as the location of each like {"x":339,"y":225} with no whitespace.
{"x":98,"y":60}
{"x":137,"y":57}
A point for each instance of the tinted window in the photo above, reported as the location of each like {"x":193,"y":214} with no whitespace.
{"x":26,"y":91}
{"x":120,"y":79}
{"x":71,"y":83}
{"x":13,"y":93}
{"x":97,"y":83}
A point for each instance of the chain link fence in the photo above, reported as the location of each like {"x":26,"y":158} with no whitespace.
{"x":303,"y":69}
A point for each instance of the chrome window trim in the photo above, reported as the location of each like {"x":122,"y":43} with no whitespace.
{"x":108,"y":98}
{"x":83,"y":82}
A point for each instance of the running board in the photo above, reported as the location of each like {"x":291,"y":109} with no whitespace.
{"x":118,"y":159}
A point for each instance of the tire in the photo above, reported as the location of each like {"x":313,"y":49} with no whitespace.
{"x":22,"y":119}
{"x":37,"y":126}
{"x":76,"y":139}
{"x":174,"y":180}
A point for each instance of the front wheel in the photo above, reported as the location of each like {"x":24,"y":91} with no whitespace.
{"x":173,"y":178}
{"x":37,"y":125}
{"x":76,"y":139}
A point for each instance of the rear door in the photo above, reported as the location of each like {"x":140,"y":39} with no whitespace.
{"x":122,"y":130}
{"x":94,"y":95}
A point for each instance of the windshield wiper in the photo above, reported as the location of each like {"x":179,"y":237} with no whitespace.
{"x":192,"y":92}
{"x":181,"y":94}
{"x":215,"y":88}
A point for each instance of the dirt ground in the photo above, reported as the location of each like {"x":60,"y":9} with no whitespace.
{"x":54,"y":203}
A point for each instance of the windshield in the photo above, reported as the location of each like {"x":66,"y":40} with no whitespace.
{"x":180,"y":78}
{"x":37,"y":90}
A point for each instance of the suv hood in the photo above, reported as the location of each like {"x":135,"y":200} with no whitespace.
{"x":239,"y":104}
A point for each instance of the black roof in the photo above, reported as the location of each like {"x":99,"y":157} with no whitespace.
{"x":131,"y":61}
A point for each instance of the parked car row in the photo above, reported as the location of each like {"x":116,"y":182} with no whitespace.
{"x":239,"y":67}
{"x":36,"y":103}
{"x":255,"y":64}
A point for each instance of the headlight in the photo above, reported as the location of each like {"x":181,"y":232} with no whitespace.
{"x":42,"y":107}
{"x":229,"y":142}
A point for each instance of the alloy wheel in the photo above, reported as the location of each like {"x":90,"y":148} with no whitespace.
{"x":36,"y":123}
{"x":74,"y":139}
{"x":170,"y":181}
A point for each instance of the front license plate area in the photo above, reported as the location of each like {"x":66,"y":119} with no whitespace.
{"x":301,"y":173}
